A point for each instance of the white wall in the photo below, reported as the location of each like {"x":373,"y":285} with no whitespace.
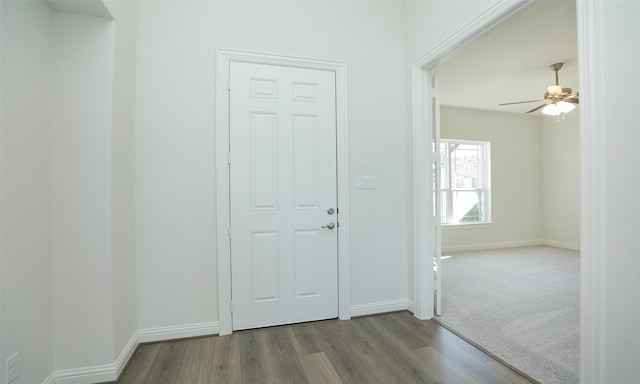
{"x":431,"y":22}
{"x":516,"y":202}
{"x":123,"y":261}
{"x":93,"y":182}
{"x":68,"y":265}
{"x":82,"y":69}
{"x":175,"y":158}
{"x":535,"y":168}
{"x":619,"y":121}
{"x":26,"y":313}
{"x":560,"y":160}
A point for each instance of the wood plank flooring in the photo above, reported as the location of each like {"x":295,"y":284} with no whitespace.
{"x":386,"y":348}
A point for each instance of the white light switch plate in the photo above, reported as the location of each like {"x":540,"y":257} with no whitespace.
{"x":366,"y":182}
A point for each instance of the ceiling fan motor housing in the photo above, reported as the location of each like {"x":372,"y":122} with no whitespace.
{"x":556,"y":91}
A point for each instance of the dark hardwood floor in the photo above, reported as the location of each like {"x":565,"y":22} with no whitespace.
{"x":387,"y":348}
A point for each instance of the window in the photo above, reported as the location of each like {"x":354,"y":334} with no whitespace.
{"x":464,"y":181}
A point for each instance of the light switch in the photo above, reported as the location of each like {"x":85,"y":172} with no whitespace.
{"x":366,"y":182}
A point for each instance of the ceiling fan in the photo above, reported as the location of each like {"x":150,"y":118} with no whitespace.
{"x":556,"y":100}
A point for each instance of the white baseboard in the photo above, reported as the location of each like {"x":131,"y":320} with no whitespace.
{"x":98,"y":373}
{"x":411,"y":306}
{"x":379,"y":307}
{"x":88,"y":375}
{"x":111,"y":372}
{"x":562,"y":244}
{"x":125,"y":355}
{"x":178,"y":332}
{"x":510,"y":244}
{"x":483,"y":246}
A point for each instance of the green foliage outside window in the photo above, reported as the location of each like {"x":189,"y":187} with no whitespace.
{"x":472,"y":215}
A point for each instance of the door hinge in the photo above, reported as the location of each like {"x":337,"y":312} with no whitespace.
{"x":231,"y":306}
{"x":229,"y":157}
{"x":229,"y":231}
{"x":229,"y":83}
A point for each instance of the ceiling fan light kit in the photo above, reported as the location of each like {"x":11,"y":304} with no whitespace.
{"x":557,"y":108}
{"x":557,"y":100}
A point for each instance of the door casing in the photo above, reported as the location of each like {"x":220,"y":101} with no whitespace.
{"x":224,"y":58}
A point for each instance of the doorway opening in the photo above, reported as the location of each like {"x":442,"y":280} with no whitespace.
{"x":423,"y":71}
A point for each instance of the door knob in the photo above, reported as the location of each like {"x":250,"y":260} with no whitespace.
{"x":329,"y":226}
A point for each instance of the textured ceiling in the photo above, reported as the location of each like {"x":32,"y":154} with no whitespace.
{"x":511,"y":62}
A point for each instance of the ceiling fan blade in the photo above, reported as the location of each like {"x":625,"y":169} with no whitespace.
{"x":572,"y":98}
{"x":538,"y":107}
{"x":522,"y":102}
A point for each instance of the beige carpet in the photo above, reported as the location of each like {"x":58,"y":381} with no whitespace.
{"x":519,"y":304}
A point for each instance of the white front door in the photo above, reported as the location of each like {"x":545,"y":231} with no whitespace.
{"x":283,"y":195}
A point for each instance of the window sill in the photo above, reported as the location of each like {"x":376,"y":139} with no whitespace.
{"x":488,"y":225}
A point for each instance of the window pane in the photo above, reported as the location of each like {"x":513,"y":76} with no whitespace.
{"x":464,"y":181}
{"x":467,"y":166}
{"x":468,"y":207}
{"x":441,"y":157}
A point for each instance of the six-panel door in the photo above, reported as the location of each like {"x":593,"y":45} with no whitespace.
{"x":283,"y":183}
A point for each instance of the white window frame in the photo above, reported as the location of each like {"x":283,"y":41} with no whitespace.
{"x":446,"y":187}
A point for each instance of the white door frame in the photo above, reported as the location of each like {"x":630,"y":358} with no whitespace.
{"x":224,"y":59}
{"x":422,"y":72}
{"x":591,"y":165}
